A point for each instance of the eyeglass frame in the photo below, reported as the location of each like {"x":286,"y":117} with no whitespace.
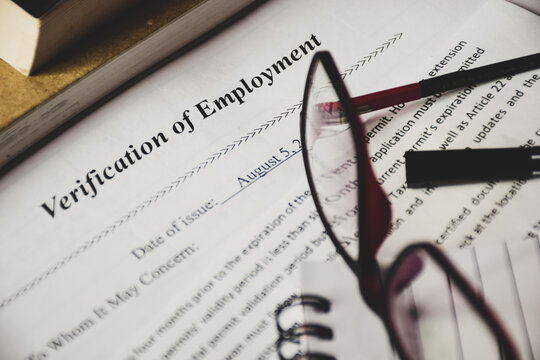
{"x":366,"y":268}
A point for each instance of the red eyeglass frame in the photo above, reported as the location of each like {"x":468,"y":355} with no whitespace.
{"x":373,"y":203}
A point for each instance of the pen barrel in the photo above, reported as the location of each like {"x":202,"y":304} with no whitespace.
{"x":479,"y":75}
{"x":446,"y":167}
{"x":385,"y":98}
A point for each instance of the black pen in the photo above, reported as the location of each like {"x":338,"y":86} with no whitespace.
{"x":439,"y":84}
{"x":448,"y":167}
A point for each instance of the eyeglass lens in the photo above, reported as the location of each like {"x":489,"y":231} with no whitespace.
{"x":332,"y":161}
{"x":432,"y":318}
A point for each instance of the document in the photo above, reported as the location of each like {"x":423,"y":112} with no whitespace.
{"x":171,"y":221}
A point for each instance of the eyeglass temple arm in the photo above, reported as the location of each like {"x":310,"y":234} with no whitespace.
{"x":424,"y":88}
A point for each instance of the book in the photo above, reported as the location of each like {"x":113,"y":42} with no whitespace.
{"x":32,"y":32}
{"x":32,"y":107}
{"x":172,"y":219}
{"x":503,"y":273}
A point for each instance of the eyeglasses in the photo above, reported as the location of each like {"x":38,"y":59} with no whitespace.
{"x":420,"y":295}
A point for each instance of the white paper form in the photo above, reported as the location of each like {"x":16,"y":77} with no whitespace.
{"x":483,"y":116}
{"x":164,"y":262}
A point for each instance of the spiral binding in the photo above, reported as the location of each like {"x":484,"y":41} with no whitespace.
{"x":296,"y":331}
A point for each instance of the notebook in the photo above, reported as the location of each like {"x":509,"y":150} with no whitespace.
{"x":506,"y":274}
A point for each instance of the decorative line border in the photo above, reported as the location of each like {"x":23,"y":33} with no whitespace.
{"x":371,"y":55}
{"x":186,"y":176}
